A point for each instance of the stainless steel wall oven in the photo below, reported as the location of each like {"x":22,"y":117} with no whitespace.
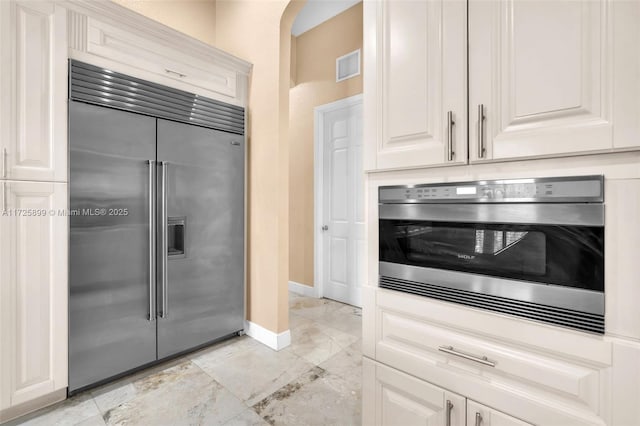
{"x":527,"y":247}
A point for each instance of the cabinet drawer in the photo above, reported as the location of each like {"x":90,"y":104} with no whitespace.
{"x":127,"y":48}
{"x":428,"y":349}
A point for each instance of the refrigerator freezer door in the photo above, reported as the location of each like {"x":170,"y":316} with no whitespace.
{"x":110,"y":254}
{"x":205,"y":237}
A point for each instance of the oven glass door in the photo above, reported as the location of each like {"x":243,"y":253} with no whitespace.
{"x":551,"y":254}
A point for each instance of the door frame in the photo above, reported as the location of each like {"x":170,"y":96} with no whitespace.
{"x":319,"y":113}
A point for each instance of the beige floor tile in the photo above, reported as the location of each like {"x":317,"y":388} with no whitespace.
{"x":310,"y":401}
{"x":317,"y":342}
{"x":251,"y":370}
{"x":343,"y":339}
{"x":247,"y":418}
{"x":293,"y":297}
{"x":314,"y":309}
{"x":92,"y":421}
{"x":113,"y":394}
{"x":226,"y":349}
{"x":346,"y":367}
{"x":296,"y":321}
{"x":347,"y":319}
{"x":180,"y":395}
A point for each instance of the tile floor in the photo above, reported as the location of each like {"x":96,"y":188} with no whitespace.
{"x":315,"y":381}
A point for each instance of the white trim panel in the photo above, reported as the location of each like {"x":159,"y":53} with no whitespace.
{"x":275,"y":341}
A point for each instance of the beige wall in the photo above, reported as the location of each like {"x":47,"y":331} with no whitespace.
{"x":193,"y":17}
{"x":258,"y":31}
{"x":315,"y":84}
{"x":252,"y":29}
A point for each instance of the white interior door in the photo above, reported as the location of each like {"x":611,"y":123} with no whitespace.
{"x":342,"y":221}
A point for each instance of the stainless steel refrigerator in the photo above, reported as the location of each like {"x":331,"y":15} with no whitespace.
{"x":156,"y":223}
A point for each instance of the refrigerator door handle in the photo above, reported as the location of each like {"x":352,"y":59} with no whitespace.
{"x":163,"y":236}
{"x":152,"y":241}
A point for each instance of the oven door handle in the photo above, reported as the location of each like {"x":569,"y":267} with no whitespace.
{"x":521,"y":213}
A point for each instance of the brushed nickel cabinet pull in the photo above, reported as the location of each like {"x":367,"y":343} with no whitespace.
{"x":447,"y":413}
{"x":480,"y":359}
{"x":478,"y":419}
{"x":481,"y":118}
{"x":4,"y":162}
{"x":176,"y":73}
{"x":450,"y":123}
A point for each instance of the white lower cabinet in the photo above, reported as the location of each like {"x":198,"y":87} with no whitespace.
{"x":540,"y":374}
{"x":391,"y":398}
{"x":33,"y":295}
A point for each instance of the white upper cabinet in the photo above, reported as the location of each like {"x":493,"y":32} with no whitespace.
{"x":545,"y":78}
{"x":419,"y":82}
{"x":33,"y":79}
{"x":539,"y":71}
{"x":626,"y":77}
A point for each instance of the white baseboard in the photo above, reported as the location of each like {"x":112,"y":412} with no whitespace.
{"x":275,"y":341}
{"x":303,"y":290}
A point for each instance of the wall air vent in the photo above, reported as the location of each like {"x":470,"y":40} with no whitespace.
{"x":348,"y":66}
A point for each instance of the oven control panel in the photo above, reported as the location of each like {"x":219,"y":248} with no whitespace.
{"x":550,"y":190}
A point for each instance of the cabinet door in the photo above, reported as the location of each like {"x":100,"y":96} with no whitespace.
{"x":33,"y":294}
{"x":420,"y":78}
{"x":480,"y":415}
{"x":117,"y":44}
{"x":33,"y":79}
{"x":626,"y":68}
{"x":394,"y":398}
{"x":540,"y":69}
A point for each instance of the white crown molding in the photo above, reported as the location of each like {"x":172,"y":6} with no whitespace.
{"x":275,"y":341}
{"x":115,"y":14}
